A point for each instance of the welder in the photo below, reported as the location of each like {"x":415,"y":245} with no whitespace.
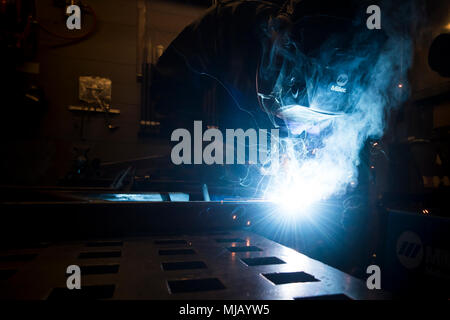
{"x":242,"y":57}
{"x":266,"y":64}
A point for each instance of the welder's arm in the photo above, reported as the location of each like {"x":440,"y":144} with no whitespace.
{"x":177,"y":77}
{"x":221,"y":46}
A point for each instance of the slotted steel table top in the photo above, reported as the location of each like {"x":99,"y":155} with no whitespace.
{"x":223,"y":265}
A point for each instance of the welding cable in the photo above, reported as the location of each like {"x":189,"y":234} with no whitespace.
{"x":72,"y":38}
{"x":214,"y":78}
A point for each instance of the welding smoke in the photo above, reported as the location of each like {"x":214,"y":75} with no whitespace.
{"x":357,"y":74}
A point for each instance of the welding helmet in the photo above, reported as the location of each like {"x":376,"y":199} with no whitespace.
{"x":318,"y":62}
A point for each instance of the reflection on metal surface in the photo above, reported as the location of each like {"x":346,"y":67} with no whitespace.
{"x":131,"y":197}
{"x":178,"y":196}
{"x":157,"y":268}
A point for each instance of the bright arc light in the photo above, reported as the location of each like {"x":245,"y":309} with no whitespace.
{"x":295,"y":199}
{"x":299,"y":183}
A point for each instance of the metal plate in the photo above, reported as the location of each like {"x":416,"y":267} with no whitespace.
{"x":140,"y":273}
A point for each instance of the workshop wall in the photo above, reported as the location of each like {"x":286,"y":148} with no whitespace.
{"x":47,"y":154}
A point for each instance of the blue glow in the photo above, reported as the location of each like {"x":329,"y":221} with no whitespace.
{"x":178,"y":196}
{"x":132,"y":197}
{"x":143,"y":197}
